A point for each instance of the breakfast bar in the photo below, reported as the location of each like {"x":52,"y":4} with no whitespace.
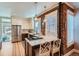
{"x":32,"y":44}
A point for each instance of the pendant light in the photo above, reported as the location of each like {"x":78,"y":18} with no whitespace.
{"x":45,"y":18}
{"x":35,"y":10}
{"x":45,"y":11}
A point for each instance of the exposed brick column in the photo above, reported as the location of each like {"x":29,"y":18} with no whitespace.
{"x":62,"y":22}
{"x":43,"y":25}
{"x":62,"y":27}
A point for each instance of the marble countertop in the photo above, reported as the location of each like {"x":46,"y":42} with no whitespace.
{"x":47,"y":38}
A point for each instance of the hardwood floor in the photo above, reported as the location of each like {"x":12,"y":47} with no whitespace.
{"x":74,"y":54}
{"x":12,"y":49}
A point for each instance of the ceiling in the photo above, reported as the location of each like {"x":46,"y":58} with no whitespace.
{"x":22,"y":9}
{"x":25,"y":9}
{"x":76,"y":4}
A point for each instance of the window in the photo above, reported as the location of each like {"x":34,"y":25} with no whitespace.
{"x":51,"y":23}
{"x":38,"y":26}
{"x":70,"y":40}
{"x":6,"y":29}
{"x":0,"y":30}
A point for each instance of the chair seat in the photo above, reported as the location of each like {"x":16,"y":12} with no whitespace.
{"x":55,"y":50}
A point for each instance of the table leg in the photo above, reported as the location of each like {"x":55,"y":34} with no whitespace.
{"x":26,"y":49}
{"x":30,"y":50}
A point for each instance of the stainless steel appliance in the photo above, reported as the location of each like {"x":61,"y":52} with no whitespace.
{"x":16,"y":33}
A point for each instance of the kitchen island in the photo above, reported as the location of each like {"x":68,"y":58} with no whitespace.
{"x":33,"y":44}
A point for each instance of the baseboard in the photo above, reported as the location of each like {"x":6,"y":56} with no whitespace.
{"x":76,"y":50}
{"x":16,"y":41}
{"x":69,"y":53}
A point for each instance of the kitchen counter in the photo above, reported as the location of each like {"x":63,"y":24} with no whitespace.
{"x":41,"y":41}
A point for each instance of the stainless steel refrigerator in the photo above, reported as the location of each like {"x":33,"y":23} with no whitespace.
{"x":16,"y":33}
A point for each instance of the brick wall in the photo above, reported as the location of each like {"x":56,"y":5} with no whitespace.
{"x":43,"y":25}
{"x":62,"y":29}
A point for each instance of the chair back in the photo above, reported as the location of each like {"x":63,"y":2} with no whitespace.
{"x":57,"y":43}
{"x":45,"y":49}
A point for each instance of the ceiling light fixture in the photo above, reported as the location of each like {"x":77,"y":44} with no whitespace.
{"x":45,"y":10}
{"x":35,"y":10}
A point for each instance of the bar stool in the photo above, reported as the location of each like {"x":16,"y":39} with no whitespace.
{"x":56,"y":47}
{"x":44,"y":49}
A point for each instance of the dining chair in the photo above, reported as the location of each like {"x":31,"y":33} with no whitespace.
{"x":56,"y":46}
{"x":43,"y":50}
